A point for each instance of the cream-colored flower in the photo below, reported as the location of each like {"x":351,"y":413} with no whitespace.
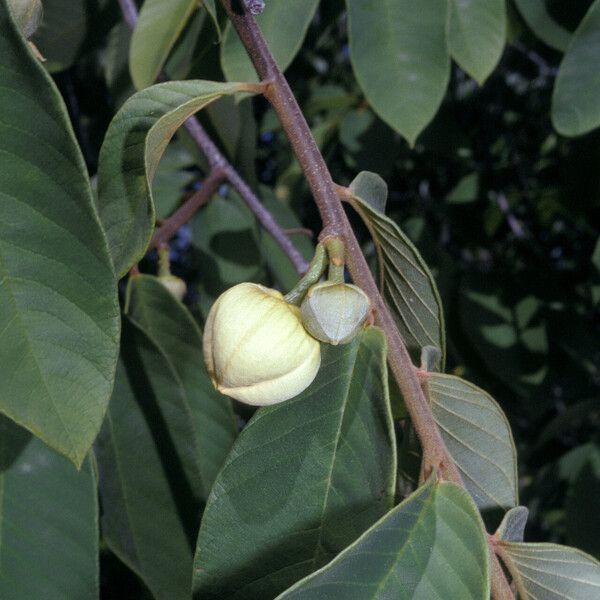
{"x":255,"y":346}
{"x":334,"y":312}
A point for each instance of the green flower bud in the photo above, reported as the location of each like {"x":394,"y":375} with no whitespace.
{"x":175,"y":285}
{"x":334,"y":312}
{"x":255,"y":347}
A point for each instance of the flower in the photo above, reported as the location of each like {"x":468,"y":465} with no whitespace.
{"x":334,"y":312}
{"x":256,"y":349}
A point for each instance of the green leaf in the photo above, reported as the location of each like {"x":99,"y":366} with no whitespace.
{"x":172,"y":176}
{"x":172,"y":329}
{"x":430,"y":546}
{"x":476,"y":35}
{"x":61,"y":32}
{"x":284,"y":25}
{"x":159,"y":26}
{"x":304,"y":479}
{"x":576,"y":96}
{"x":226,"y":234}
{"x":400,"y":58}
{"x":277,"y":260}
{"x":59,"y":316}
{"x":49,"y":521}
{"x":410,"y":290}
{"x":536,"y":15}
{"x":465,"y":191}
{"x":144,"y":449}
{"x":132,"y":148}
{"x":512,"y":528}
{"x":479,"y":439}
{"x":551,"y":572}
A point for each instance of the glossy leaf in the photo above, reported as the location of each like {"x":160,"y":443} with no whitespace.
{"x":134,"y":143}
{"x":479,"y":439}
{"x":149,"y":508}
{"x":400,"y":58}
{"x":476,"y":35}
{"x":304,"y":479}
{"x":410,"y":290}
{"x":430,"y":546}
{"x":159,"y":26}
{"x":535,"y":13}
{"x":49,"y":521}
{"x":172,"y":329}
{"x":61,"y":32}
{"x":59,"y":323}
{"x":576,"y":97}
{"x":552,"y":572}
{"x":284,"y":26}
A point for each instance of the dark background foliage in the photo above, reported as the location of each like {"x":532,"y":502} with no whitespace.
{"x":504,"y":209}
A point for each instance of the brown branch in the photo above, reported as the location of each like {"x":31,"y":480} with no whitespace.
{"x":185,"y":212}
{"x":217,"y":162}
{"x":336,"y":224}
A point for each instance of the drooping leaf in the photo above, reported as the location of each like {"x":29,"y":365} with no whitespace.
{"x":479,"y":439}
{"x":61,"y":32}
{"x":551,"y":572}
{"x":512,"y":528}
{"x":476,"y":35}
{"x":576,"y":96}
{"x":59,"y":316}
{"x":304,"y":479}
{"x":535,"y":13}
{"x":400,"y":58}
{"x":147,"y":470}
{"x":172,"y":329}
{"x":284,"y":26}
{"x":159,"y":26}
{"x":410,"y":290}
{"x":132,"y":148}
{"x":49,"y":521}
{"x":430,"y":546}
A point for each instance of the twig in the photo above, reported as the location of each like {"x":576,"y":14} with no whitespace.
{"x":185,"y":212}
{"x":336,"y":224}
{"x":218,"y":162}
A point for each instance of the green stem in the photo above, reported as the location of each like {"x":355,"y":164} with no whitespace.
{"x":315,"y":272}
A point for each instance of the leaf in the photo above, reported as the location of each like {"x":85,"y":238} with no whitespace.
{"x":304,"y":479}
{"x":132,"y":148}
{"x":576,"y":95}
{"x":277,"y":260}
{"x":149,"y":511}
{"x":430,"y":546}
{"x":536,"y":15}
{"x":59,"y":316}
{"x":284,"y":25}
{"x":465,"y":191}
{"x":61,"y":32}
{"x":226,"y":234}
{"x":172,"y":329}
{"x":551,"y":572}
{"x":479,"y":439}
{"x":159,"y":26}
{"x":410,"y":290}
{"x":512,"y":528}
{"x":476,"y":35}
{"x":400,"y":58}
{"x":49,"y":521}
